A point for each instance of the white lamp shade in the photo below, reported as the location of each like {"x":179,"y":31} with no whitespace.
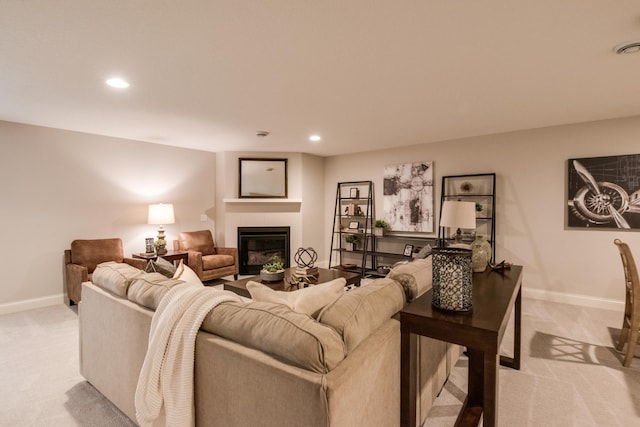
{"x":161,"y":213}
{"x":457,"y":214}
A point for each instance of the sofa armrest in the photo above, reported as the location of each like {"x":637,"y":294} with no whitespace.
{"x":194,"y":261}
{"x":140,"y":264}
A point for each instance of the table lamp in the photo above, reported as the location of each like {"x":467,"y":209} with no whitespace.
{"x":160,"y":214}
{"x":458,"y":215}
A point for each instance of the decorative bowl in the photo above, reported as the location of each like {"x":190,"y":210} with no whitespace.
{"x":276,"y":276}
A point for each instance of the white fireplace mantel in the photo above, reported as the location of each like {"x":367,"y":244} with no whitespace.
{"x":256,"y":200}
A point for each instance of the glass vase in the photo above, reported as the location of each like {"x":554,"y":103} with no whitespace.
{"x":480,"y":253}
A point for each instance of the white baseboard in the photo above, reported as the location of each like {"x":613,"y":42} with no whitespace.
{"x":574,"y":299}
{"x":30,"y":304}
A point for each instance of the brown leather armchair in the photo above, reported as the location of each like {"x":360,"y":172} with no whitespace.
{"x":208,"y":261}
{"x":83,"y":257}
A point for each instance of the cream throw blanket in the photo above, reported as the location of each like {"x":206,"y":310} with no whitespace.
{"x":164,"y":395}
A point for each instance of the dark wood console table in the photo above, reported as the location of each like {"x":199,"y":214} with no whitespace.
{"x":495,"y":294}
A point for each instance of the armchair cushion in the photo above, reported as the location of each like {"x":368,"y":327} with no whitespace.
{"x":210,"y":262}
{"x":197,"y":241}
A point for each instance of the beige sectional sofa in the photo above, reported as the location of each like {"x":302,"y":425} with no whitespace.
{"x":261,"y":363}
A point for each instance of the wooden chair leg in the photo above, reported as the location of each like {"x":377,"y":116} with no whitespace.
{"x":633,"y":341}
{"x":624,"y":335}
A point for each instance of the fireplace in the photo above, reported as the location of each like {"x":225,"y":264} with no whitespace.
{"x":257,"y":245}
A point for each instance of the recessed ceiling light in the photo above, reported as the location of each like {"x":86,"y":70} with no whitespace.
{"x":627,"y":47}
{"x":118,"y":83}
{"x":315,"y":138}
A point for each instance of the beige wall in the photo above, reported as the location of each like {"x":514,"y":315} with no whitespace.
{"x":57,"y":186}
{"x":569,"y":265}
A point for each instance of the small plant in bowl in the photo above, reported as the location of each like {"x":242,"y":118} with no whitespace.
{"x":273,"y":271}
{"x":379,"y":226}
{"x":352,"y":240}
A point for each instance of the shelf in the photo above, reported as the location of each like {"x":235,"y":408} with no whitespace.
{"x":355,"y":198}
{"x":478,"y":188}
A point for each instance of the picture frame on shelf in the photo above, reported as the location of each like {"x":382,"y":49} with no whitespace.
{"x":354,"y":192}
{"x":354,"y":225}
{"x":408,"y":250}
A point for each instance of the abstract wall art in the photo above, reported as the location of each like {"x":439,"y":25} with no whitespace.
{"x":407,"y":196}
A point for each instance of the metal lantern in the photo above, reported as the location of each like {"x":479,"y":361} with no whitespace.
{"x":452,"y":279}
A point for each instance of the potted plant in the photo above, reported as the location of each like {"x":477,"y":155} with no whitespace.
{"x":478,"y":209}
{"x":273,"y":271}
{"x":379,"y":226}
{"x":352,"y":241}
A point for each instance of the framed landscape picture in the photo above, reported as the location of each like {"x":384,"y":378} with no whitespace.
{"x":604,"y":192}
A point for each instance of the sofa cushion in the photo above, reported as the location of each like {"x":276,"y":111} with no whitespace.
{"x":362,"y":310}
{"x":149,"y":288}
{"x":211,"y":262}
{"x":416,"y":277}
{"x":279,"y":331}
{"x":114,"y":277}
{"x":309,"y":300}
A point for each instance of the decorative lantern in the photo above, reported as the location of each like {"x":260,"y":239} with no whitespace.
{"x":452,"y":279}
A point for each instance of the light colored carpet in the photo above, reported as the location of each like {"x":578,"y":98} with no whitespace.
{"x":571,"y":375}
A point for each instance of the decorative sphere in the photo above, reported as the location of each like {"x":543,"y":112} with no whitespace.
{"x":305,"y":257}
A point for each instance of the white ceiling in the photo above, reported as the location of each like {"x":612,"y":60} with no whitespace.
{"x":365,"y":74}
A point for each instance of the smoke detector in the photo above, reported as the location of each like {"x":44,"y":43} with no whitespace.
{"x":627,"y":47}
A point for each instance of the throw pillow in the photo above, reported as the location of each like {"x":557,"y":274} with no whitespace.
{"x":161,"y":266}
{"x":186,"y":274}
{"x":179,"y":270}
{"x":310,"y":300}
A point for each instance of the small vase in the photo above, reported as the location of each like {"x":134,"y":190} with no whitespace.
{"x":480,"y":254}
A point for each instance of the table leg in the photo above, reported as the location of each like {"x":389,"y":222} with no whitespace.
{"x":514,"y":362}
{"x":517,"y":330}
{"x":408,"y":392}
{"x":472,"y":407}
{"x":491,"y":361}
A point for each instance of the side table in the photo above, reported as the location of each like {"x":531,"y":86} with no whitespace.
{"x":495,"y":294}
{"x":171,"y":256}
